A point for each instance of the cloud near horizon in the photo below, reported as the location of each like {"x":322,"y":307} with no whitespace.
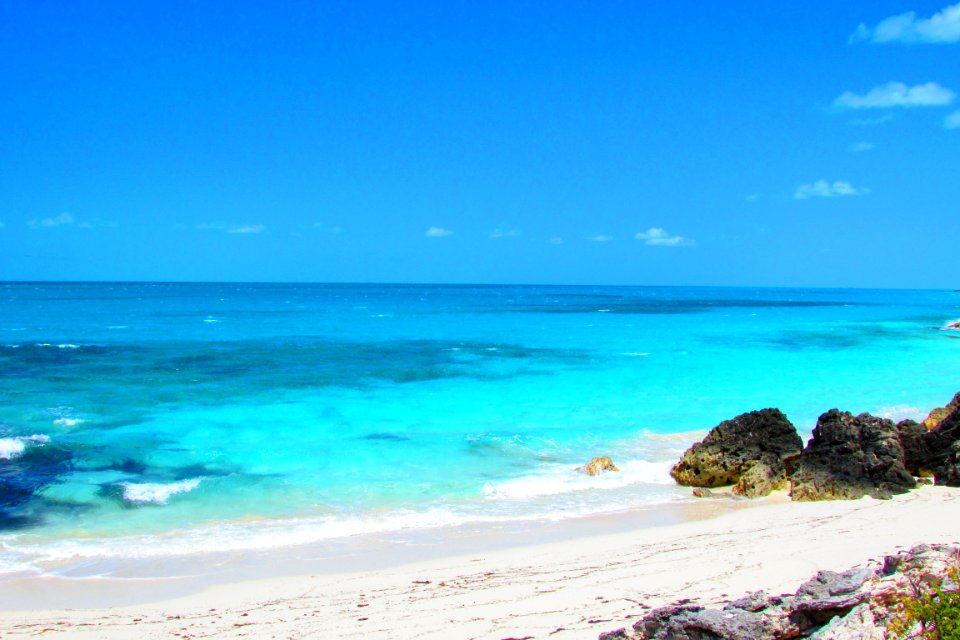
{"x":657,"y":237}
{"x":952,"y":121}
{"x":504,"y":233}
{"x":897,"y":94}
{"x":600,"y":237}
{"x":438,"y":232}
{"x":824,"y":189}
{"x":940,"y":28}
{"x":247,"y":228}
{"x":56,"y":221}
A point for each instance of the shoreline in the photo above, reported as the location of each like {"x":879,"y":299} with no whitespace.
{"x":554,"y":588}
{"x":126,"y":581}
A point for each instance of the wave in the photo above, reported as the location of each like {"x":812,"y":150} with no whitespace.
{"x":11,"y":448}
{"x":559,"y":479}
{"x":68,"y":422}
{"x":156,"y":492}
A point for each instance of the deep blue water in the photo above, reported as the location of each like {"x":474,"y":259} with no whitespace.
{"x":146,"y":419}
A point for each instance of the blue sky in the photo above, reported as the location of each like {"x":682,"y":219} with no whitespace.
{"x":675,"y":143}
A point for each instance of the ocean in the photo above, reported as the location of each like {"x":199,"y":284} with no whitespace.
{"x":152,"y":420}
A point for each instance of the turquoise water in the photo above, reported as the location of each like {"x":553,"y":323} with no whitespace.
{"x":140,"y":420}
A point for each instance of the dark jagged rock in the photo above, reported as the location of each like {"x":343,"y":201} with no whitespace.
{"x":913,"y":439}
{"x":734,"y":446}
{"x":850,"y":457}
{"x":948,"y":473}
{"x":856,"y":604}
{"x":938,"y":441}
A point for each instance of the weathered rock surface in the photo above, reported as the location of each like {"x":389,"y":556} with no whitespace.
{"x":948,"y":473}
{"x":733,"y":447}
{"x":857,"y":603}
{"x":850,"y":457}
{"x":762,"y":478}
{"x":913,"y":439}
{"x":598,"y":465}
{"x":939,"y":414}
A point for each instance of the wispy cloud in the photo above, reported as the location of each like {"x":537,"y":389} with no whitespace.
{"x":753,"y":197}
{"x":556,"y":240}
{"x":897,"y":94}
{"x":942,"y":27}
{"x":952,"y":121}
{"x":657,"y":237}
{"x":247,"y":228}
{"x":335,"y":229}
{"x":872,"y":122}
{"x":211,"y":226}
{"x":859,"y":147}
{"x":57,"y":221}
{"x":438,"y":232}
{"x":601,"y":238}
{"x":824,"y":189}
{"x":504,"y":233}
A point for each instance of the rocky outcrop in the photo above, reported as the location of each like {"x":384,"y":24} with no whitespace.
{"x":939,"y":414}
{"x":850,"y":457}
{"x":948,"y":473}
{"x":598,"y":465}
{"x":734,"y":447}
{"x":857,"y":603}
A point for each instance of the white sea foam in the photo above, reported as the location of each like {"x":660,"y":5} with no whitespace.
{"x":636,"y":354}
{"x":11,"y":448}
{"x":952,"y":325}
{"x":901,"y":412}
{"x":558,"y":479}
{"x":68,"y":422}
{"x":210,"y":320}
{"x":118,"y":326}
{"x":156,"y":492}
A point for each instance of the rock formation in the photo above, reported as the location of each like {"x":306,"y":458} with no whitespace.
{"x":939,"y":414}
{"x":850,"y":457}
{"x":598,"y":465}
{"x":734,"y":447}
{"x":853,"y":604}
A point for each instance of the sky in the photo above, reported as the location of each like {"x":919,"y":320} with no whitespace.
{"x":651,"y":142}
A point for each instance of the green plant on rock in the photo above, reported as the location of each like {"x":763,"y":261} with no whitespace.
{"x":931,"y":615}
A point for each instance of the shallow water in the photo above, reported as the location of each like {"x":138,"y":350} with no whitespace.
{"x":142,"y":420}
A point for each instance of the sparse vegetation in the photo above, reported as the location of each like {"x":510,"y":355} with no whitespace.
{"x":932,"y":614}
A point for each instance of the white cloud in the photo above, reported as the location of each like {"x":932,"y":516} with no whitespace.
{"x":247,"y":228}
{"x":952,"y":121}
{"x":942,"y":27}
{"x":57,"y":221}
{"x":657,"y":237}
{"x":601,"y":238}
{"x":210,"y":226}
{"x":858,"y":147}
{"x":504,"y":233}
{"x":324,"y":228}
{"x":556,"y":240}
{"x":438,"y":232}
{"x":897,"y":94}
{"x":824,"y":189}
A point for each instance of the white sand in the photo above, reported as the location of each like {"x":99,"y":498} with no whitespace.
{"x":571,"y":589}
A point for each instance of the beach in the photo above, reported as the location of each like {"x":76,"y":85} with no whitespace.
{"x":575,"y":587}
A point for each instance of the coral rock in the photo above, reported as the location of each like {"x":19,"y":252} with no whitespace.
{"x":850,"y":457}
{"x":734,"y":446}
{"x":599,"y":465}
